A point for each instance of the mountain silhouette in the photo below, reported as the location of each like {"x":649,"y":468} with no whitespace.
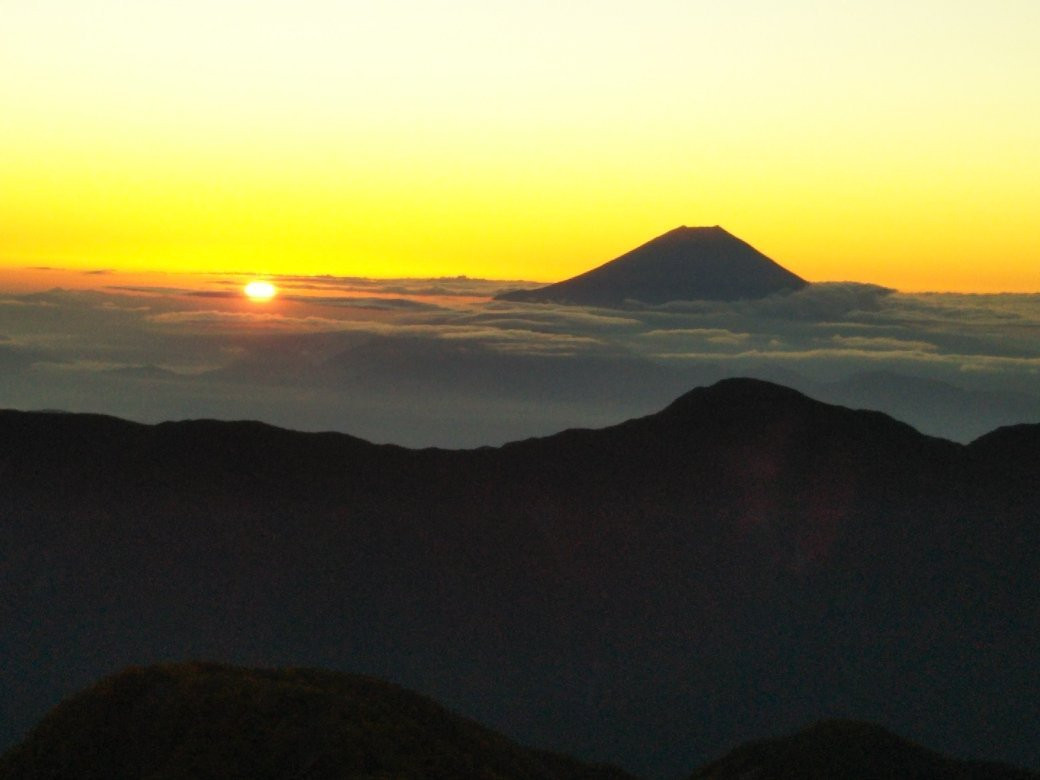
{"x":208,"y":720}
{"x":849,"y":750}
{"x":742,"y":562}
{"x":687,"y":263}
{"x":204,"y":720}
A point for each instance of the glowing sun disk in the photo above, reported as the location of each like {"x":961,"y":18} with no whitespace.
{"x":260,"y":291}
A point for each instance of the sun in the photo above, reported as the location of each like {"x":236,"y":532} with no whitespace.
{"x":260,"y":291}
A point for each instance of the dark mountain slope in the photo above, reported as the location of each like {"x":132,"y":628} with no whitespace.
{"x":687,"y":263}
{"x":745,"y":561}
{"x":851,"y":751}
{"x":210,"y":721}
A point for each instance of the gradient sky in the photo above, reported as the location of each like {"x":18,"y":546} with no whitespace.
{"x":887,"y":142}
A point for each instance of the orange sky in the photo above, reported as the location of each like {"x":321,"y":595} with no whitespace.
{"x":891,"y":143}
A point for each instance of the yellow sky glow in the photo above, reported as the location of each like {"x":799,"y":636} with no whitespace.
{"x":885,"y":142}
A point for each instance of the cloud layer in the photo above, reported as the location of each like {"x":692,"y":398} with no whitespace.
{"x":438,"y":362}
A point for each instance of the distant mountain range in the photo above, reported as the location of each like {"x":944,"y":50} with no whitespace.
{"x":741,"y":563}
{"x":204,"y":720}
{"x":687,"y":263}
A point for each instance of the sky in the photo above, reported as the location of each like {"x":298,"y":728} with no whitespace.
{"x":884,"y":142}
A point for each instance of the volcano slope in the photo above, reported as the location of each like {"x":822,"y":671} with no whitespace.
{"x":743,"y":562}
{"x":687,"y":263}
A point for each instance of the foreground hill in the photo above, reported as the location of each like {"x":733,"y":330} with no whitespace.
{"x":204,"y":720}
{"x":848,"y":750}
{"x":743,"y":562}
{"x":210,"y":721}
{"x":687,"y":263}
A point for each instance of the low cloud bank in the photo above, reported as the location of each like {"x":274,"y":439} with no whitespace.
{"x":437,"y":362}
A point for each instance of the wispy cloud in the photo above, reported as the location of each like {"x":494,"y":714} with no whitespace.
{"x":882,"y":343}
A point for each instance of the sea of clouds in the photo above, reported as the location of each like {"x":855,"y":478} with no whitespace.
{"x":439,"y":362}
